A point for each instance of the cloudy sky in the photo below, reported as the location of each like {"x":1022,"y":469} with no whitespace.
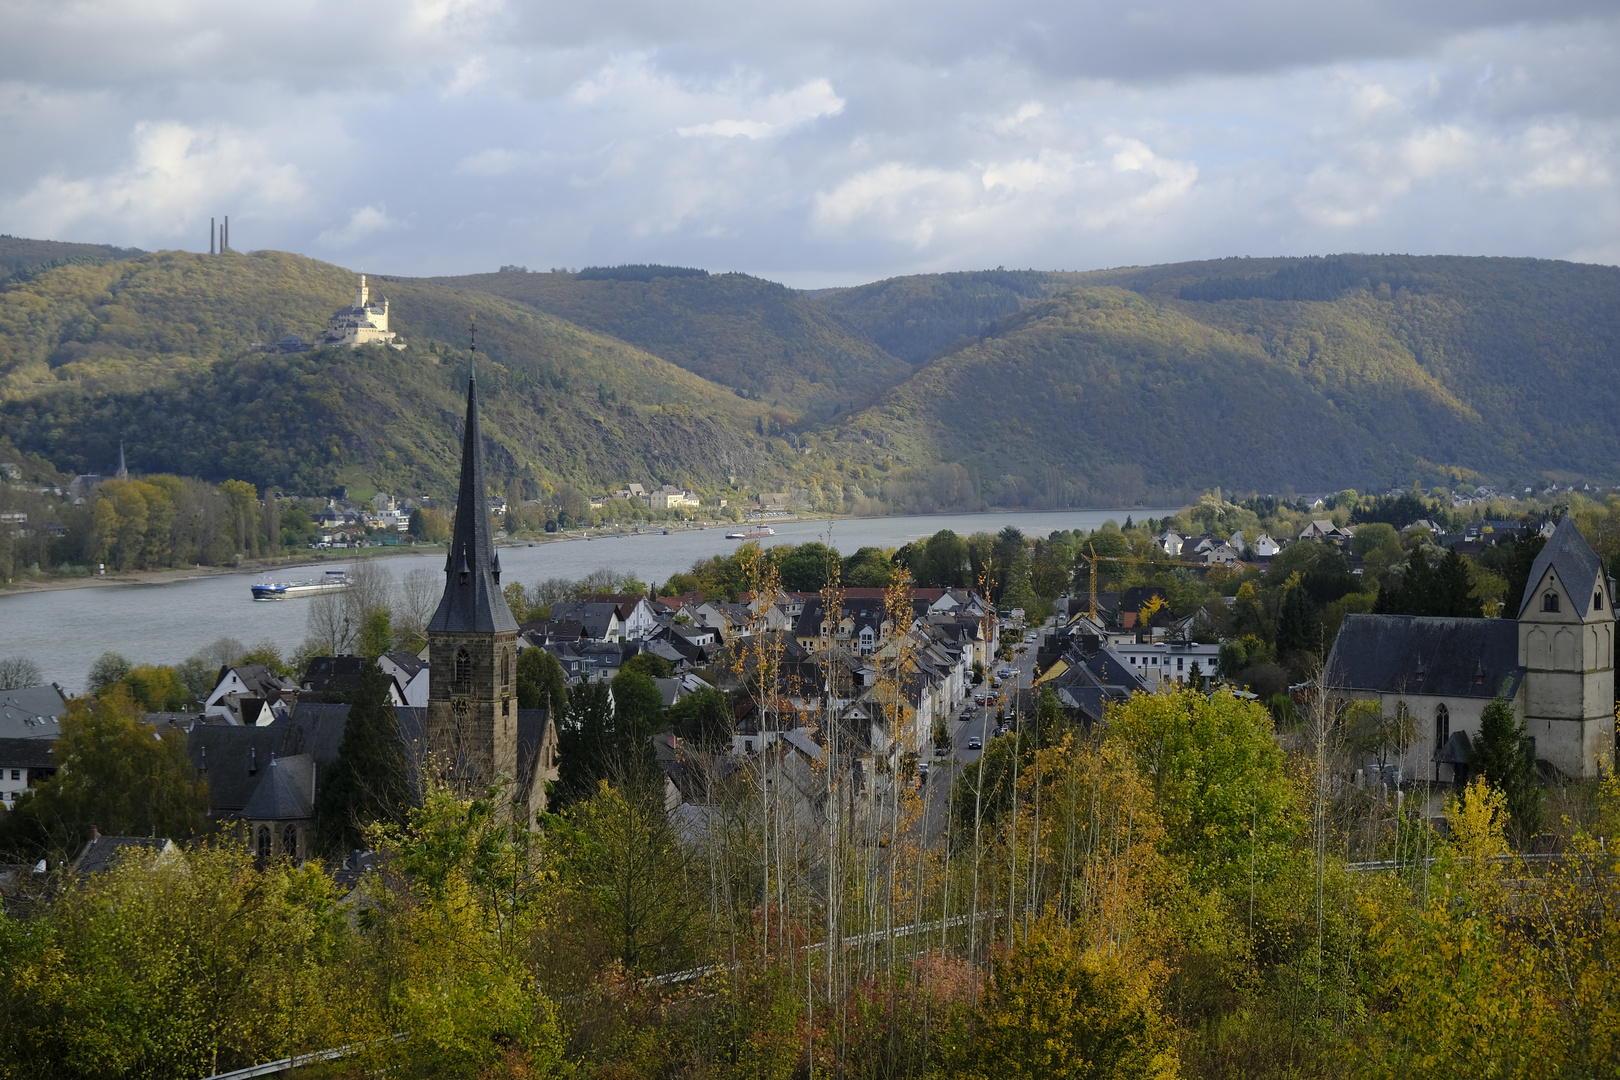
{"x":820,"y":142}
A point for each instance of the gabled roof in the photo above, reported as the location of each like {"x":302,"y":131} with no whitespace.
{"x":472,"y":600}
{"x":1423,"y":655}
{"x":1578,"y":567}
{"x":407,"y":662}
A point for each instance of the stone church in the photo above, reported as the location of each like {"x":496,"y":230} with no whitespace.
{"x":1554,"y":662}
{"x":475,"y":733}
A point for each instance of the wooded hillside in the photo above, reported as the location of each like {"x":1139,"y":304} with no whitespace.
{"x":932,"y":392}
{"x":155,"y":351}
{"x":762,"y":339}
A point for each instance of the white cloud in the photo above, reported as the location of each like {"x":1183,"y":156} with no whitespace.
{"x":850,"y":139}
{"x":174,"y":172}
{"x":364,"y":223}
{"x":776,"y":113}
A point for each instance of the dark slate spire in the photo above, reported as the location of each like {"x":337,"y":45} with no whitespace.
{"x":472,"y":601}
{"x":1579,"y":569}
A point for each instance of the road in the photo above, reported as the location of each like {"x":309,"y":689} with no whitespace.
{"x":971,"y":722}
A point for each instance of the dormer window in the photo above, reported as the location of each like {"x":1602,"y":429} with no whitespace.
{"x":1549,"y":601}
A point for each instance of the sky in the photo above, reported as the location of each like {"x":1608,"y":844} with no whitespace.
{"x":818,"y":143}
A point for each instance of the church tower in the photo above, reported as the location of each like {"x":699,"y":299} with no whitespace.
{"x":1566,"y":647}
{"x":472,"y":721}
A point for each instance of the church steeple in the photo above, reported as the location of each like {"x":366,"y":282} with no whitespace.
{"x":472,"y":602}
{"x":123,"y":470}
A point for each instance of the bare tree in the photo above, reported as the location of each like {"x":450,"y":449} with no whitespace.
{"x":332,"y":625}
{"x":19,"y":671}
{"x":222,"y":653}
{"x":371,"y":589}
{"x":418,"y":599}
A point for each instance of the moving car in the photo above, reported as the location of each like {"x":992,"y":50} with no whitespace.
{"x":975,"y":744}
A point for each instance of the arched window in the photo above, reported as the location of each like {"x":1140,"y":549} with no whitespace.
{"x":1442,"y":726}
{"x":1549,"y":601}
{"x":1597,"y":600}
{"x":463,"y":667}
{"x":506,"y":667}
{"x":264,"y":841}
{"x":289,"y":842}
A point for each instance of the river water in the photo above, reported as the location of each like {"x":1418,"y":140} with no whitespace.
{"x":64,"y":631}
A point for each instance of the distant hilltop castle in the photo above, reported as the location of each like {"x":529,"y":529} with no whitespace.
{"x":363,"y":323}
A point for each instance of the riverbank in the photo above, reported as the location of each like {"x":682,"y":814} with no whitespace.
{"x":324,"y":557}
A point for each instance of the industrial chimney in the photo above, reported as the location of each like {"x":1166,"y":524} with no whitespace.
{"x":210,"y":236}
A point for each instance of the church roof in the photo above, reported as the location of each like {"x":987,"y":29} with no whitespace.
{"x":472,"y":601}
{"x":1578,"y":567}
{"x":280,"y":796}
{"x":1424,"y":655}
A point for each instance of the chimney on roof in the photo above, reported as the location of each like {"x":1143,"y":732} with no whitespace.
{"x":253,"y":761}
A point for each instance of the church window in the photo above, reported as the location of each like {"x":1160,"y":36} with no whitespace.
{"x":1597,"y":600}
{"x":264,"y":841}
{"x":463,"y":667}
{"x":1549,"y":601}
{"x":289,"y":842}
{"x":1442,"y":726}
{"x":506,"y":667}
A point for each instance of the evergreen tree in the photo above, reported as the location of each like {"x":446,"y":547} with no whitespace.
{"x":1453,"y":591}
{"x":368,"y":781}
{"x":1298,"y":628}
{"x":541,"y":683}
{"x":1502,"y":755}
{"x":704,"y":720}
{"x":1415,"y":593}
{"x":1525,"y":551}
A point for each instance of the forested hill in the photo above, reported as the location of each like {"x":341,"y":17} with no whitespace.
{"x":949,"y":391}
{"x":761,"y":339}
{"x":1316,"y":373}
{"x":155,"y":351}
{"x":19,"y":256}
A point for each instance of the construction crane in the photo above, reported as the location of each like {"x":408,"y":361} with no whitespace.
{"x":1092,"y":560}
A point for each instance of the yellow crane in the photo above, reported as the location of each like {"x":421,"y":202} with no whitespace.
{"x":1092,"y":560}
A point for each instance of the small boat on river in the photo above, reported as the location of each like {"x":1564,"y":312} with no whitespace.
{"x":329,"y":582}
{"x":752,"y":534}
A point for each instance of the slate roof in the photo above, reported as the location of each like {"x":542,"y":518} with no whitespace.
{"x":284,"y":792}
{"x":31,"y":712}
{"x":1578,"y":567}
{"x":472,"y":602}
{"x":27,"y":753}
{"x":328,"y":673}
{"x":407,"y":662}
{"x":1435,"y":657}
{"x":237,"y":759}
{"x":101,"y":852}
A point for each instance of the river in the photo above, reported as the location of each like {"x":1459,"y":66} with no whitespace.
{"x":63,"y":631}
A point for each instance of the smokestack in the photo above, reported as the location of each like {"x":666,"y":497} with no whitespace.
{"x":225,"y":237}
{"x":210,"y":236}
